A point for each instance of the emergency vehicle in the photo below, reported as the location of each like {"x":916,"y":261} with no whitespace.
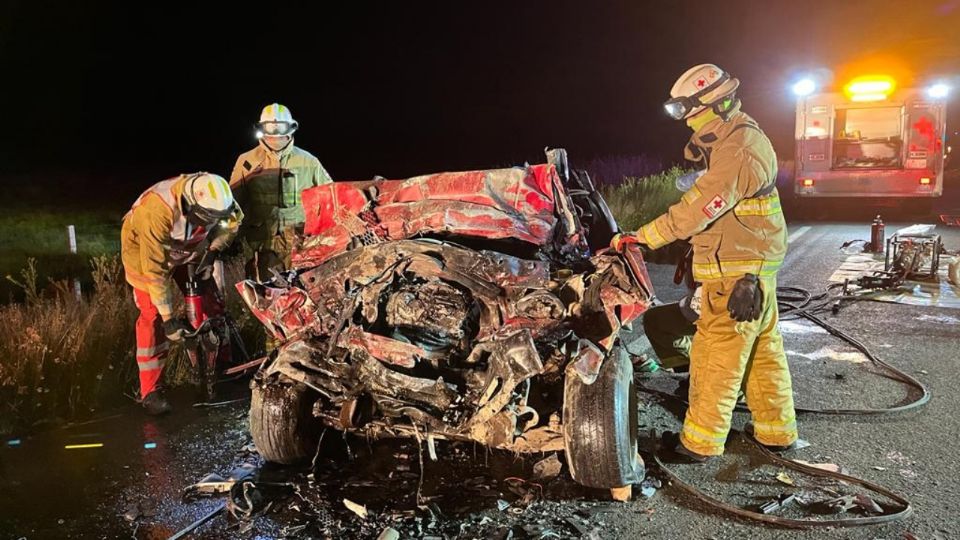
{"x":872,"y":139}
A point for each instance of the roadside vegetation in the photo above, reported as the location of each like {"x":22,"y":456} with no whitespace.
{"x":41,"y":234}
{"x":62,"y":358}
{"x":59,"y":354}
{"x":637,"y":200}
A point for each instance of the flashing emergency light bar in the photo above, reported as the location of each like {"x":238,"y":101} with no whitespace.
{"x":870,"y":88}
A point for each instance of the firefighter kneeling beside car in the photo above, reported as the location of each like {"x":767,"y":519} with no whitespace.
{"x":171,"y":225}
{"x":733,"y":219}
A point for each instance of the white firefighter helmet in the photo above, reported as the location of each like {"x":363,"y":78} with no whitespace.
{"x":700,"y":87}
{"x":209,"y":197}
{"x":276,"y":120}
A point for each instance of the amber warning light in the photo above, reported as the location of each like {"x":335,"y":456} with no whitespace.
{"x":807,"y":182}
{"x":870,"y":88}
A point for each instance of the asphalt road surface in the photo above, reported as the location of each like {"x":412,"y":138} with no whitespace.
{"x":131,"y":486}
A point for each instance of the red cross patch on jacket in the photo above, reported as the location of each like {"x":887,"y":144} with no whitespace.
{"x":715,"y":207}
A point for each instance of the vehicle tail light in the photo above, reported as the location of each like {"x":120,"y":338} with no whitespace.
{"x":807,"y":182}
{"x":924,"y":181}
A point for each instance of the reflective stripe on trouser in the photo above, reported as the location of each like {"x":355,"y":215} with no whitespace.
{"x":152,"y":345}
{"x":724,"y":352}
{"x":669,"y":333}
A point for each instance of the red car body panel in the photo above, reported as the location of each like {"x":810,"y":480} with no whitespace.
{"x":496,"y":204}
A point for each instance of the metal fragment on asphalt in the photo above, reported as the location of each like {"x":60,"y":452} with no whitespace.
{"x":547,"y":468}
{"x":389,"y":534}
{"x":785,"y":478}
{"x":357,"y":509}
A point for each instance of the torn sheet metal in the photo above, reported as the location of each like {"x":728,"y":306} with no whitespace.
{"x":450,"y":305}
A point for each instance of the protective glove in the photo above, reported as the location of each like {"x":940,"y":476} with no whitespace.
{"x":176,"y":329}
{"x":620,"y":241}
{"x":746,"y":299}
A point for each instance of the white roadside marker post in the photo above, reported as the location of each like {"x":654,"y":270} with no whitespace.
{"x":72,"y":238}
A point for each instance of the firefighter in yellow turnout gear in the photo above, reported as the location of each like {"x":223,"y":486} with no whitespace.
{"x":172,"y":224}
{"x":733,"y":219}
{"x":267,"y":182}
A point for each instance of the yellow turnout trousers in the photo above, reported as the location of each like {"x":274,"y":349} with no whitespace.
{"x":723,"y":354}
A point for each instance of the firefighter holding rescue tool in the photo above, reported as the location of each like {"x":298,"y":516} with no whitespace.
{"x":173,"y":224}
{"x":267,"y":182}
{"x":732,"y":217}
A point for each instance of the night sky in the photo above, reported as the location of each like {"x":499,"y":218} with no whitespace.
{"x":128,"y":95}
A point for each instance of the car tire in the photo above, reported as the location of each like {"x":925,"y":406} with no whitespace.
{"x":600,"y":425}
{"x":282,"y":424}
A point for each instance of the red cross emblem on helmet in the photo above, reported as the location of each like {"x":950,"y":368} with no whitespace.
{"x":701,"y":82}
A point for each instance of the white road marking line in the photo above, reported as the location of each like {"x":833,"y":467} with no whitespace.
{"x":797,"y":234}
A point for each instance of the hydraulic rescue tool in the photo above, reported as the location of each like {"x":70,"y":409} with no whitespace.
{"x":209,"y":333}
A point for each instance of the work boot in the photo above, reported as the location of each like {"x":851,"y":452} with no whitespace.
{"x":156,"y":403}
{"x":673,"y":451}
{"x":795,"y":445}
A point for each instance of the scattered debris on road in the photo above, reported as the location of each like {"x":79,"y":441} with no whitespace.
{"x":785,"y":478}
{"x":547,"y":468}
{"x":358,"y":509}
{"x":781,"y":502}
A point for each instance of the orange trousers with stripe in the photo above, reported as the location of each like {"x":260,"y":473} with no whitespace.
{"x":725,"y":354}
{"x":152,"y":344}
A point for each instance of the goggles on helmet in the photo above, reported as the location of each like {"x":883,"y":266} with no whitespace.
{"x":209,"y":216}
{"x":276,"y":128}
{"x":679,"y":107}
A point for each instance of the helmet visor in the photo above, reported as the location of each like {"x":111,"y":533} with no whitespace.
{"x":210,"y":216}
{"x":277,"y":128}
{"x":677,"y":108}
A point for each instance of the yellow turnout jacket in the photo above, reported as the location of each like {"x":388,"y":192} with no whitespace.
{"x":732,"y":214}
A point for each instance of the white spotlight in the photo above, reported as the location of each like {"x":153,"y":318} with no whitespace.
{"x":804,"y":87}
{"x":938,"y":91}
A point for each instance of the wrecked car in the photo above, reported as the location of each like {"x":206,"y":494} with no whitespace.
{"x":471,"y":306}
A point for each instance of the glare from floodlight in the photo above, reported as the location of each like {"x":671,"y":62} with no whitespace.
{"x":804,"y":87}
{"x":938,"y":91}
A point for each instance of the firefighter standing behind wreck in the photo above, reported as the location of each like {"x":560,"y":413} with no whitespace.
{"x":733,"y":219}
{"x":267,"y":182}
{"x":172,"y":224}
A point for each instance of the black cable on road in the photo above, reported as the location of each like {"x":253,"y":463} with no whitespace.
{"x":904,"y":510}
{"x":798,"y":302}
{"x":795,"y":302}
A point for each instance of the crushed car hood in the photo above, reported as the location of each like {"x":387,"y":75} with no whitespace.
{"x":518,"y":203}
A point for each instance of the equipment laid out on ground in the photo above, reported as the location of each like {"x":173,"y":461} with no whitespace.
{"x":914,"y":256}
{"x":877,"y":235}
{"x":911,"y":253}
{"x":871,"y":139}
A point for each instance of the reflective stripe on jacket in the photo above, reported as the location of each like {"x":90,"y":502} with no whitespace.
{"x":732,"y":214}
{"x":267,"y":185}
